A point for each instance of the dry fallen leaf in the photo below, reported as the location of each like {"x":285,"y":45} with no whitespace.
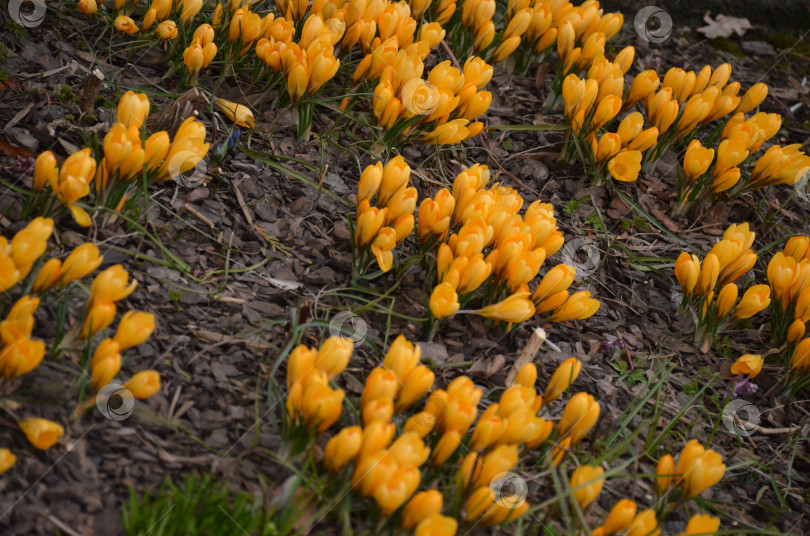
{"x":723,"y":26}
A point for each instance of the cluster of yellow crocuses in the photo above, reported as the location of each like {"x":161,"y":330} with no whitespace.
{"x":387,"y":467}
{"x":675,"y":107}
{"x":728,"y":168}
{"x":491,"y":242}
{"x":530,"y":28}
{"x":789,"y":279}
{"x":698,"y":469}
{"x":21,"y":353}
{"x":593,"y":102}
{"x":447,"y":102}
{"x":308,"y":64}
{"x":709,"y":286}
{"x":125,"y":159}
{"x":159,"y":11}
{"x":379,"y":228}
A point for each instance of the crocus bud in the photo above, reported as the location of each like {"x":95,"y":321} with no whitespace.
{"x":238,"y":113}
{"x":376,"y":436}
{"x":409,"y":449}
{"x":381,"y":383}
{"x":143,"y":384}
{"x":752,"y":98}
{"x":447,"y":445}
{"x":500,"y":460}
{"x":45,"y":170}
{"x":443,"y":301}
{"x":81,"y":261}
{"x":125,"y":24}
{"x":620,"y":517}
{"x":48,"y":275}
{"x":514,"y":309}
{"x":369,"y":182}
{"x":562,"y":378}
{"x":342,"y":448}
{"x":300,"y":364}
{"x":527,"y":375}
{"x":726,"y":299}
{"x":644,"y":524}
{"x":748,"y":364}
{"x":417,"y":384}
{"x":402,"y":357}
{"x":380,"y":409}
{"x":7,"y":460}
{"x":697,"y":160}
{"x":586,"y":484}
{"x":322,"y":406}
{"x":88,"y":7}
{"x":369,"y":222}
{"x":21,"y":357}
{"x":625,"y":166}
{"x":796,"y":331}
{"x":166,"y":30}
{"x":421,"y":423}
{"x":373,"y":470}
{"x":133,"y":109}
{"x":556,"y":280}
{"x":41,"y":433}
{"x":703,"y":473}
{"x":104,"y":369}
{"x":396,"y":174}
{"x":334,"y":355}
{"x":134,"y":328}
{"x":395,"y":491}
{"x":421,"y":506}
{"x":579,"y":416}
{"x":755,"y":299}
{"x":702,"y":524}
{"x":98,"y":317}
{"x":479,"y":502}
{"x":488,"y":430}
{"x":111,"y":285}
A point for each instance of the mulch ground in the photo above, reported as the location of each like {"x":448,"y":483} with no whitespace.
{"x":266,"y":252}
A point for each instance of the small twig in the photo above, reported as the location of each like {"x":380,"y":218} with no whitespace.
{"x":61,"y":524}
{"x":527,"y":354}
{"x":191,"y":210}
